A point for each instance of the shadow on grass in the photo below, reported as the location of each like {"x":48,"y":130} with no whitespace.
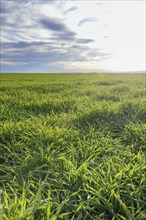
{"x":49,"y":107}
{"x":113,"y":119}
{"x":17,"y":111}
{"x":45,"y":90}
{"x":108,"y":83}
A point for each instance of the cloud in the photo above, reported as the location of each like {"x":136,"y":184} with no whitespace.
{"x":70,"y":10}
{"x":70,"y":37}
{"x":33,"y":1}
{"x":105,"y":36}
{"x":46,"y":53}
{"x":86,"y":20}
{"x":84,"y":41}
{"x":54,"y":24}
{"x":100,"y":3}
{"x":34,"y":41}
{"x":61,"y":32}
{"x":4,"y":9}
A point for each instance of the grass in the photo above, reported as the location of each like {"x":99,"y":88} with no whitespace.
{"x":73,"y":147}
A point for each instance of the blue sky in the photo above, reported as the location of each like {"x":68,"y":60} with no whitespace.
{"x":72,"y":36}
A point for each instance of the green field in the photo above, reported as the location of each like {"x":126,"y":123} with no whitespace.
{"x":73,"y":147}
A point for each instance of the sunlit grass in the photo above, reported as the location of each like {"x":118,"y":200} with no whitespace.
{"x":72,"y":147}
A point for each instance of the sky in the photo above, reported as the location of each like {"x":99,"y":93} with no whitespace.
{"x":73,"y":36}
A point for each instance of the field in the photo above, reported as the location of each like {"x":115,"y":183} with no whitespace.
{"x":73,"y":147}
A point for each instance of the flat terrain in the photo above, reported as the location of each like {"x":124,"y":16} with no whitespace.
{"x":73,"y":147}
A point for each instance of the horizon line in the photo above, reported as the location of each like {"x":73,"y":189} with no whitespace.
{"x":110,"y":72}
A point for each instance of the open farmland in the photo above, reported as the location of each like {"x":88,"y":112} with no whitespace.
{"x":73,"y":147}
